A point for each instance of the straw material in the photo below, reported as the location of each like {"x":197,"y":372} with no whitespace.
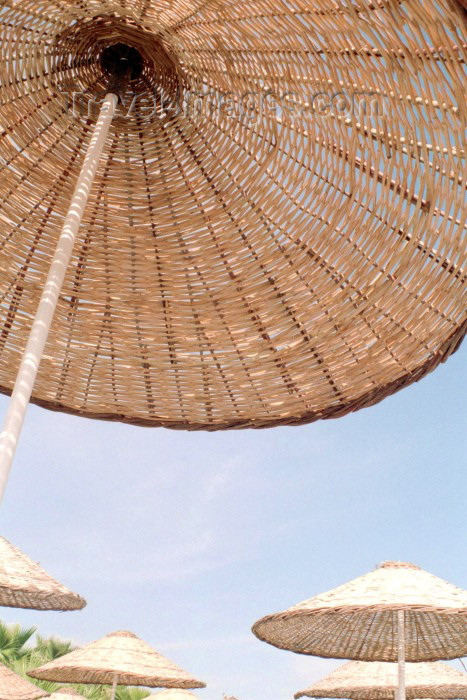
{"x":122,"y":654}
{"x":175,"y":694}
{"x":66,"y":694}
{"x":24,"y":584}
{"x":359,"y":619}
{"x":378,"y":681}
{"x":278,"y":240}
{"x":14,"y":687}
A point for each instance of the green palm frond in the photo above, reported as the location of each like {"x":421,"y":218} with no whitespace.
{"x":130,"y":693}
{"x":93,"y":692}
{"x":13,"y":642}
{"x":51,"y":648}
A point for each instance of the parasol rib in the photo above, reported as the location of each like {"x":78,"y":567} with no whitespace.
{"x":43,"y":319}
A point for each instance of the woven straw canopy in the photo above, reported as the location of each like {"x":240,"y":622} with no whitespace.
{"x":24,"y":584}
{"x":378,"y":681}
{"x":275,"y":232}
{"x":119,"y":654}
{"x":359,"y":619}
{"x":14,"y":687}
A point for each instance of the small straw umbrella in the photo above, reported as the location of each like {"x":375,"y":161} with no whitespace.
{"x":364,"y":680}
{"x":14,"y":687}
{"x":396,"y":613}
{"x":25,"y":584}
{"x":286,"y":249}
{"x":120,"y":657}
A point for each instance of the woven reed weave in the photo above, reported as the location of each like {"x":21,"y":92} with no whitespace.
{"x":378,"y":681}
{"x":359,"y":619}
{"x":121,"y":653}
{"x":24,"y":584}
{"x":14,"y":687}
{"x":242,"y":266}
{"x":175,"y":694}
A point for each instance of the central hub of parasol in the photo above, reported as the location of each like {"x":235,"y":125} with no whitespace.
{"x":122,"y":64}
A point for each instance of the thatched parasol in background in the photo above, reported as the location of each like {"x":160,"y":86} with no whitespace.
{"x":362,"y":680}
{"x":25,"y":584}
{"x":14,"y":687}
{"x":396,"y":613}
{"x":120,"y":657}
{"x":271,"y":232}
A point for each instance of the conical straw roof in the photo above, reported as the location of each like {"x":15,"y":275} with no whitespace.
{"x":14,"y":687}
{"x":25,"y":584}
{"x":378,"y":681}
{"x":284,"y":246}
{"x":120,"y":654}
{"x":359,"y":619}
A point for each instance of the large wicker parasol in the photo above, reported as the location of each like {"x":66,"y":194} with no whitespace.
{"x":120,"y":657}
{"x":396,"y":613}
{"x":271,"y":230}
{"x":25,"y":584}
{"x":14,"y":687}
{"x":363,"y":680}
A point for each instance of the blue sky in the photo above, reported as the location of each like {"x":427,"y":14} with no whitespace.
{"x":187,"y":538}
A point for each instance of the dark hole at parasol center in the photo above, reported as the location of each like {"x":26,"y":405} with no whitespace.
{"x":121,"y":60}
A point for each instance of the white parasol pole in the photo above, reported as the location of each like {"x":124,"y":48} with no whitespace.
{"x":114,"y":688}
{"x":41,"y":325}
{"x":401,"y":654}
